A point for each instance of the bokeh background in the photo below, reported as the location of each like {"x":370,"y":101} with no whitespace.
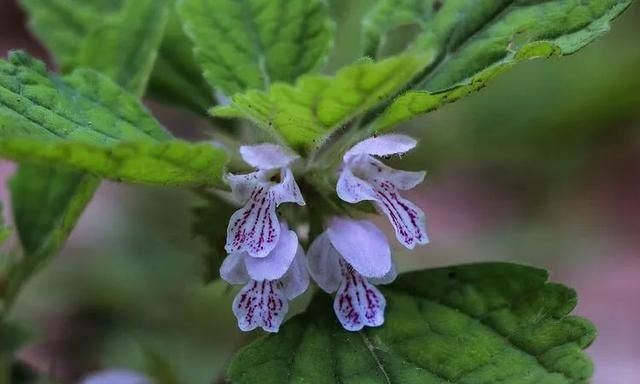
{"x":542,"y":167}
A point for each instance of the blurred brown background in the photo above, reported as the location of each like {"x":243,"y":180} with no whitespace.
{"x":542,"y":167}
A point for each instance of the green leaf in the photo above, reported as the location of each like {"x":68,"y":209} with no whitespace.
{"x":159,"y":367}
{"x":304,"y":114}
{"x":116,"y":29}
{"x":62,"y":24}
{"x":14,"y":336}
{"x":478,"y":323}
{"x":46,"y":202}
{"x":84,"y":106}
{"x":250,"y":44}
{"x":125,"y":47}
{"x":475,"y":42}
{"x":86,"y":121}
{"x":119,"y":39}
{"x":176,"y":77}
{"x":387,"y":15}
{"x":4,"y":230}
{"x":173,"y":162}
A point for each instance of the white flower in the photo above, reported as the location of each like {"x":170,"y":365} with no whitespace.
{"x":116,"y":376}
{"x":270,"y":282}
{"x":351,"y":256}
{"x":254,"y":227}
{"x":363,"y":177}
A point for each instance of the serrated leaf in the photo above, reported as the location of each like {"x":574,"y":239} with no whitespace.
{"x":119,"y":39}
{"x":62,"y":24}
{"x":478,"y":323}
{"x":84,"y":106}
{"x":173,"y":162}
{"x":251,"y":44}
{"x":125,"y":47}
{"x":68,"y":27}
{"x":304,"y":113}
{"x":475,"y":42}
{"x":85,"y":121}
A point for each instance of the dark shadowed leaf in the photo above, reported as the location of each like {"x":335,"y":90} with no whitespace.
{"x":479,"y":323}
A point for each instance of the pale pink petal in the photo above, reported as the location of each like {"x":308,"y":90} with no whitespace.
{"x":254,"y":228}
{"x":261,"y":304}
{"x":353,"y":189}
{"x":278,"y":261}
{"x":361,"y":244}
{"x":383,"y":145}
{"x":407,"y":219}
{"x":372,"y":168}
{"x":358,"y":303}
{"x":233,"y":270}
{"x":324,"y":267}
{"x":267,"y":156}
{"x":296,"y":280}
{"x":116,"y":376}
{"x":243,"y":185}
{"x":388,"y":278}
{"x":287,"y":190}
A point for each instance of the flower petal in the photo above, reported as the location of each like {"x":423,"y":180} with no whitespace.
{"x":261,"y":304}
{"x":296,"y":280}
{"x":361,"y":244}
{"x":353,"y":189}
{"x":374,"y":169}
{"x":383,"y":145}
{"x":243,"y":185}
{"x":266,"y":156}
{"x":407,"y":219}
{"x":388,"y":278}
{"x":254,"y":228}
{"x":358,"y":303}
{"x":116,"y":376}
{"x":323,"y":260}
{"x":287,"y":190}
{"x":278,"y":261}
{"x":233,"y":270}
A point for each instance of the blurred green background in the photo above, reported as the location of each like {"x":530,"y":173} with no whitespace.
{"x":542,"y":167}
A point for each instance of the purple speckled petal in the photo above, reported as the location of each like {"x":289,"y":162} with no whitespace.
{"x":358,"y":303}
{"x":353,"y":189}
{"x":373,"y":169}
{"x":261,"y":304}
{"x":407,"y":219}
{"x":254,"y":228}
{"x":243,"y":185}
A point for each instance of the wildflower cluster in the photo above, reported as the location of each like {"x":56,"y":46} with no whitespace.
{"x":349,"y":257}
